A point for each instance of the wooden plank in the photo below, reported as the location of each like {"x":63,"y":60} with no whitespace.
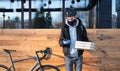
{"x":30,"y":31}
{"x":15,"y":31}
{"x":47,"y":31}
{"x":55,"y":31}
{"x":91,"y":60}
{"x":112,"y":55}
{"x":106,"y":42}
{"x":103,"y":37}
{"x":111,"y":61}
{"x":94,"y":54}
{"x":10,"y":43}
{"x":108,"y":31}
{"x":26,"y":42}
{"x":110,"y":68}
{"x":23,"y":37}
{"x":53,"y":36}
{"x":110,"y":49}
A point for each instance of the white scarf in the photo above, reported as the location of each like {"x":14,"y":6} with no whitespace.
{"x":74,"y":25}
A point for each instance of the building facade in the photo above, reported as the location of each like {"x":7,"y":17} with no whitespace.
{"x":118,"y":13}
{"x":104,"y":14}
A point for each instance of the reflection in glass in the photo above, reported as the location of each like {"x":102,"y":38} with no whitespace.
{"x":52,"y":21}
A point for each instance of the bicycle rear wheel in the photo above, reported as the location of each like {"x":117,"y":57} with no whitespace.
{"x":48,"y":68}
{"x":4,"y":68}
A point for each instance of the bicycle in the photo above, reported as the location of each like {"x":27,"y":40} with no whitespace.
{"x":37,"y":65}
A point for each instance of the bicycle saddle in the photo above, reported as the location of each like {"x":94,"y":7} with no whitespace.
{"x":8,"y":51}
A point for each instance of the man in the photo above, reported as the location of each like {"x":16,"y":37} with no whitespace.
{"x":72,"y":31}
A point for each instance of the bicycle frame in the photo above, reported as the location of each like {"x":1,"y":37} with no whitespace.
{"x":14,"y":61}
{"x":37,"y":63}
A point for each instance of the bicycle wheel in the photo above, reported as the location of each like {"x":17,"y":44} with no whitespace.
{"x":48,"y":68}
{"x":4,"y":68}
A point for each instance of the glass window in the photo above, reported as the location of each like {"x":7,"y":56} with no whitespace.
{"x":51,"y":18}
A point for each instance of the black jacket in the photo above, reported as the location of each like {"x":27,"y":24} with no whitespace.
{"x":81,"y":36}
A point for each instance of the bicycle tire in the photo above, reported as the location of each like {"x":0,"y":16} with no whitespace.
{"x":4,"y":68}
{"x":48,"y":68}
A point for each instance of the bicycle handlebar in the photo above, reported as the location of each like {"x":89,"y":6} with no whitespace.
{"x":47,"y":50}
{"x":47,"y":53}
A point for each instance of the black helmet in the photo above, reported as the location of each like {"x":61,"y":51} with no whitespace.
{"x":70,"y":12}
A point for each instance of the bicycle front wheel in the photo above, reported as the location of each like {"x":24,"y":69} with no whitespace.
{"x":48,"y":68}
{"x":4,"y":68}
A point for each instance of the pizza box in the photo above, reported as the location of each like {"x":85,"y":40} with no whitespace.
{"x":85,"y":45}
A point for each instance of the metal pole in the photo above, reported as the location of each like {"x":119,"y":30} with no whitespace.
{"x":4,"y":25}
{"x":63,"y":12}
{"x":22,"y":14}
{"x":30,"y":22}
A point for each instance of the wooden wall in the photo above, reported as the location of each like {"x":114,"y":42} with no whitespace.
{"x":106,"y":57}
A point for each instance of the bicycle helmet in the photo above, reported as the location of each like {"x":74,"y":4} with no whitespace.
{"x":70,"y":12}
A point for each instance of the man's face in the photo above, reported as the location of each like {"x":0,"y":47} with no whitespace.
{"x":71,"y":18}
